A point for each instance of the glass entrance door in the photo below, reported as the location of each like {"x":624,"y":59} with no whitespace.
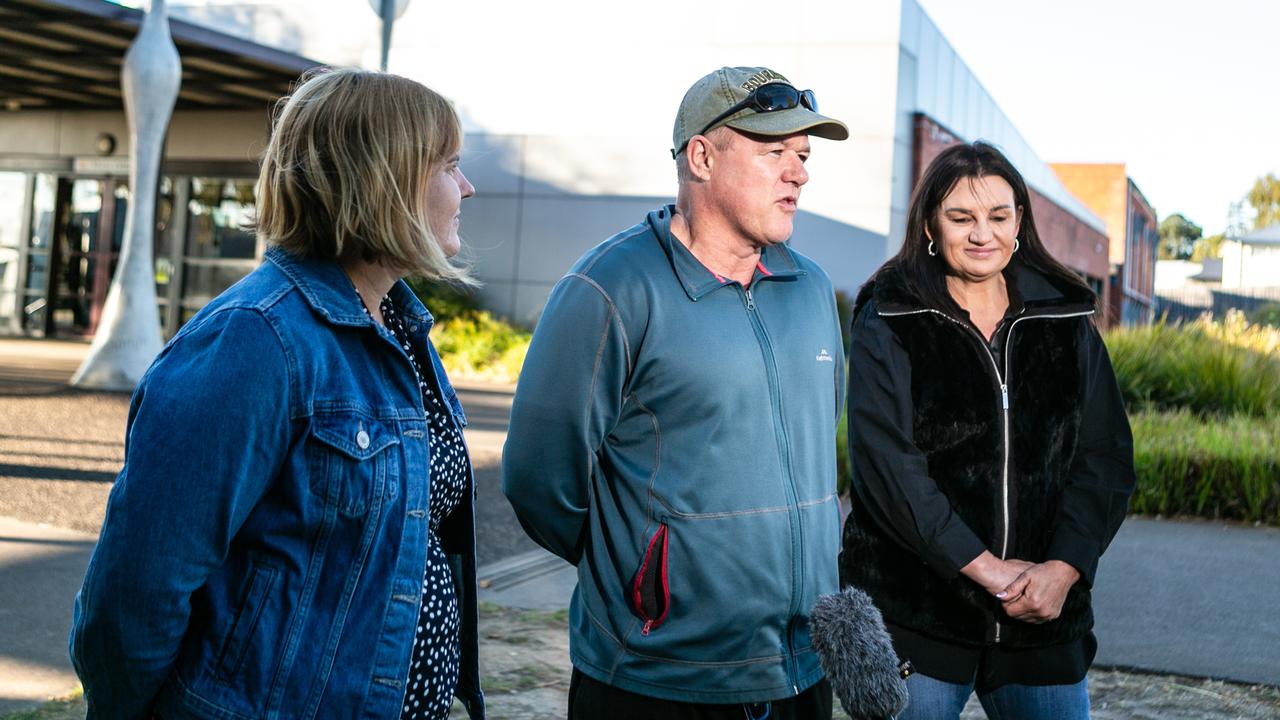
{"x":85,"y":248}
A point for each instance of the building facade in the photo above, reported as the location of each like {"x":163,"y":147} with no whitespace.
{"x":1252,"y":261}
{"x":566,"y":147}
{"x":573,"y":144}
{"x":64,"y":163}
{"x":1133,"y":230}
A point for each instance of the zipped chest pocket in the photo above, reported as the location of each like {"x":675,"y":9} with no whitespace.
{"x":351,"y":461}
{"x":650,"y":595}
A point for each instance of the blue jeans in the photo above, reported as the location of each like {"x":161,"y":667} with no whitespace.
{"x":932,"y":699}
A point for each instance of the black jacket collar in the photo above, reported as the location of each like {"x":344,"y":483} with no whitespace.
{"x":1041,"y":295}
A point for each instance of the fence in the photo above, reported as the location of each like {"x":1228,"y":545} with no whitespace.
{"x":1186,"y":304}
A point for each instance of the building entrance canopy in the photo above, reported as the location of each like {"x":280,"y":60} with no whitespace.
{"x":66,"y":55}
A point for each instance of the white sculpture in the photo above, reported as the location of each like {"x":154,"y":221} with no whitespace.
{"x":128,"y":336}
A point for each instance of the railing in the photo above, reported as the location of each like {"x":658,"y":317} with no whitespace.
{"x":1186,"y":304}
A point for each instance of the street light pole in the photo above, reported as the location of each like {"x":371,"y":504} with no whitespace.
{"x":388,"y":14}
{"x":388,"y":11}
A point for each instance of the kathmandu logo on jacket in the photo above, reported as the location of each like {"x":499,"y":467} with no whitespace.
{"x":825,"y":356}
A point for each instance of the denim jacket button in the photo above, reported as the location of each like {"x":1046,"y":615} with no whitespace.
{"x":413,"y":327}
{"x":362,"y":439}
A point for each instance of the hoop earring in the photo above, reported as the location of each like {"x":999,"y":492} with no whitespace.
{"x":932,"y":251}
{"x":1016,"y":244}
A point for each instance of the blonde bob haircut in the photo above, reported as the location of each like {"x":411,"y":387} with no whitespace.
{"x":345,"y":174}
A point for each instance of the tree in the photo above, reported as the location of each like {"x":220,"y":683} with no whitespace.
{"x":1178,"y":236}
{"x":1209,"y":247}
{"x":1265,"y":199}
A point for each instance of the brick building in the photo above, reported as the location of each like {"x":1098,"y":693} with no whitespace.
{"x":1133,"y":230}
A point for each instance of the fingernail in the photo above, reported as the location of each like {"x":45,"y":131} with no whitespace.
{"x":1001,"y":595}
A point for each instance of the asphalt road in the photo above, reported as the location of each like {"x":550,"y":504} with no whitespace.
{"x":1191,"y":597}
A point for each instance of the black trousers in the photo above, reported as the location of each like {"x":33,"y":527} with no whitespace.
{"x":590,"y":699}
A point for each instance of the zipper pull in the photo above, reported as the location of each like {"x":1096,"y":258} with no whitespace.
{"x":648,"y":625}
{"x":751,"y":303}
{"x":1004,"y":396}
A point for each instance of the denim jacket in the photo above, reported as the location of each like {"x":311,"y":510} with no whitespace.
{"x":265,"y":543}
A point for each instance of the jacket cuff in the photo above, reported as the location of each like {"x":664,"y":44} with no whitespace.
{"x":957,"y":547}
{"x":1077,"y":551}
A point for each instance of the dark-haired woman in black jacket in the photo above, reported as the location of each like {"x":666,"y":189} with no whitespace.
{"x":993,"y":461}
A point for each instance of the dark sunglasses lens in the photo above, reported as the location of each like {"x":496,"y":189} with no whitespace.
{"x":776,"y":96}
{"x":809,"y":100}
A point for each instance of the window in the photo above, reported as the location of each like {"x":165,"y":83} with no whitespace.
{"x":13,"y":200}
{"x":221,"y":246}
{"x":36,"y":288}
{"x":221,"y":217}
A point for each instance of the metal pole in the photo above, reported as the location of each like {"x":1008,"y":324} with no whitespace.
{"x":388,"y":17}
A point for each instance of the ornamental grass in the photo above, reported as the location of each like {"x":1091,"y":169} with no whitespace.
{"x":1210,"y":368}
{"x":1223,"y":468}
{"x":1204,"y":402}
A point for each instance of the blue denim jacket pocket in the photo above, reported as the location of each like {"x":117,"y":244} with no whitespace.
{"x":349,"y":468}
{"x":253,"y":597}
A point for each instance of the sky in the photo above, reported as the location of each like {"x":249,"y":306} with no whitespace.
{"x":1182,"y":91}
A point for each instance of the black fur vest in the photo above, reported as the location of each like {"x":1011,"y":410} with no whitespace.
{"x":1006,"y":491}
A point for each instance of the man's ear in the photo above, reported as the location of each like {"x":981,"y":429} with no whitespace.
{"x":700,"y":154}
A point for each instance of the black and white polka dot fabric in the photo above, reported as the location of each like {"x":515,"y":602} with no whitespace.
{"x":433,"y":671}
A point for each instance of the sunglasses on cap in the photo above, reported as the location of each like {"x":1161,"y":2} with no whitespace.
{"x":770,"y":97}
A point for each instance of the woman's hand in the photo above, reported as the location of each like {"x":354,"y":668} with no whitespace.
{"x":1036,"y":596}
{"x":994,"y":574}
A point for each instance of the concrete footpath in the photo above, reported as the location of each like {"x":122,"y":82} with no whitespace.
{"x":40,"y":570}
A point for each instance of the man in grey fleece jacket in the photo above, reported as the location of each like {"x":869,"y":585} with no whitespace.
{"x":673,"y":433}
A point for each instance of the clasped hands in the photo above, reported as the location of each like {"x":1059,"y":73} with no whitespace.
{"x":1030,"y":592}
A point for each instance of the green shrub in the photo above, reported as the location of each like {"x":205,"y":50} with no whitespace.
{"x":844,"y":470}
{"x":1207,"y":367}
{"x":473,"y":344}
{"x":1218,"y":468}
{"x":1266,"y":314}
{"x":844,"y":310}
{"x":445,"y":301}
{"x":477,"y":346}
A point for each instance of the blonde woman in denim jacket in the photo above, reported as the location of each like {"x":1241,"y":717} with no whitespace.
{"x":292,"y":534}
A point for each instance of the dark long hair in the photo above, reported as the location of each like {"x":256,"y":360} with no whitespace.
{"x":924,"y":275}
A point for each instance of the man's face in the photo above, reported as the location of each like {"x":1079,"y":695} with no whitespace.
{"x":756,"y":181}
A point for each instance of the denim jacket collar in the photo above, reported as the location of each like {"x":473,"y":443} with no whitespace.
{"x":330,"y":293}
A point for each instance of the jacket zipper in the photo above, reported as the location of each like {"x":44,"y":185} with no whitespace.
{"x":793,"y":512}
{"x":1004,"y":408}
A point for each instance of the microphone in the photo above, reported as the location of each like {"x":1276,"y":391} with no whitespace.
{"x":855,"y":650}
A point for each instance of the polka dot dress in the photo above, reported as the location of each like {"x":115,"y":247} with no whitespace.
{"x":433,"y":671}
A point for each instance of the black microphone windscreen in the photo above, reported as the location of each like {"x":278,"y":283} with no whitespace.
{"x":857,"y":654}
